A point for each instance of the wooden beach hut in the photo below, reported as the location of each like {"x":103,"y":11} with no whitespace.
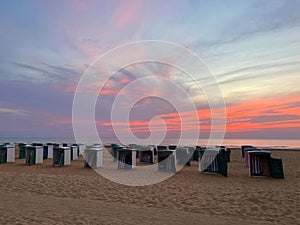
{"x":167,"y":161}
{"x":93,"y":157}
{"x":33,"y":154}
{"x":146,"y":154}
{"x":61,"y":156}
{"x":7,"y":153}
{"x":262,"y":164}
{"x":126,"y":158}
{"x":212,"y":161}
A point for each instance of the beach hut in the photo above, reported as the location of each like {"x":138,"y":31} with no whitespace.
{"x":154,"y":149}
{"x":212,"y":161}
{"x":225,"y":151}
{"x":22,"y":150}
{"x":126,"y":158}
{"x":262,"y":164}
{"x":33,"y":154}
{"x":183,"y":156}
{"x":93,"y":157}
{"x":80,"y":148}
{"x":114,"y":151}
{"x":167,"y":161}
{"x":243,"y":149}
{"x":146,"y":154}
{"x":61,"y":156}
{"x":74,"y":152}
{"x":7,"y":153}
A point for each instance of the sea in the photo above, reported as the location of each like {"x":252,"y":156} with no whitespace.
{"x":233,"y":143}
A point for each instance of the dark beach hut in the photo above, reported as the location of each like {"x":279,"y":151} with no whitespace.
{"x":61,"y":156}
{"x":33,"y":154}
{"x":126,"y":158}
{"x":21,"y":150}
{"x":262,"y":164}
{"x":213,"y":161}
{"x":167,"y":161}
{"x":146,"y":154}
{"x":7,"y":153}
{"x":114,"y":151}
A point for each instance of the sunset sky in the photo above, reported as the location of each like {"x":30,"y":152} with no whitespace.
{"x":252,"y":48}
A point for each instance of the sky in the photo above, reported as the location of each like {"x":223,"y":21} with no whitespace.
{"x":251,"y":47}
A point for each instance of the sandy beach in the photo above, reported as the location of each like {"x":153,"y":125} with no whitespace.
{"x":42,"y":194}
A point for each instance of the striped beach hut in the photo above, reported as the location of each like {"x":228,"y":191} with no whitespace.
{"x":212,"y":161}
{"x":93,"y":157}
{"x":126,"y":158}
{"x":61,"y":156}
{"x":33,"y":154}
{"x":146,"y":154}
{"x":7,"y":153}
{"x":262,"y":164}
{"x":167,"y":161}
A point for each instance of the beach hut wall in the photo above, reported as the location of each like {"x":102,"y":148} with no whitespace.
{"x":93,"y":157}
{"x":61,"y":156}
{"x":126,"y":158}
{"x":212,"y":161}
{"x":167,"y":161}
{"x":146,"y":154}
{"x":10,"y":153}
{"x":50,"y":150}
{"x":33,"y":154}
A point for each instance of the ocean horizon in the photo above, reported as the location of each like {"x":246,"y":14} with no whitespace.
{"x":266,"y":143}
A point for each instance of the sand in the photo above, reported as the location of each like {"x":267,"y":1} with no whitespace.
{"x":41,"y":194}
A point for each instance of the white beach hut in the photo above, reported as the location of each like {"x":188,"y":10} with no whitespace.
{"x":93,"y":157}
